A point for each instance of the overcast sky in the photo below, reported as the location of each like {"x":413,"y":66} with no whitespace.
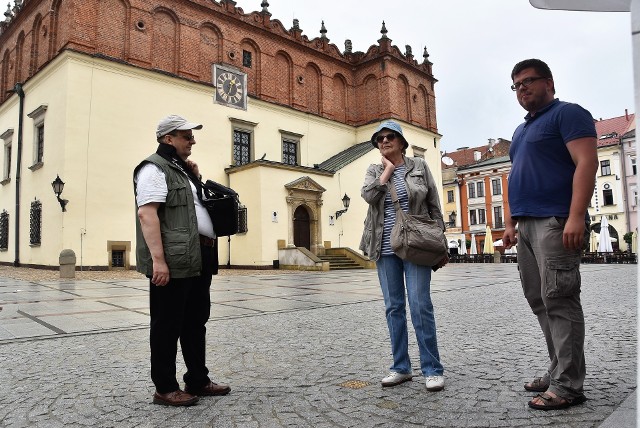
{"x":474,"y":44}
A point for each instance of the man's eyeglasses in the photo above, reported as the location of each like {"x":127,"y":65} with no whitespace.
{"x":188,"y":137}
{"x":525,"y":82}
{"x":390,"y":137}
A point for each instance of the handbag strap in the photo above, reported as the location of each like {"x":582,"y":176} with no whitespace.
{"x":394,"y":195}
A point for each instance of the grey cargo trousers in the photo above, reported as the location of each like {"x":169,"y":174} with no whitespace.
{"x":550,"y":277}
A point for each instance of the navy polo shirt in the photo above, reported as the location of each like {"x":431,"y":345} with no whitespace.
{"x":541,"y":177}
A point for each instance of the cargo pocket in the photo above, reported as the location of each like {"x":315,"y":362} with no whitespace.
{"x":562,"y":276}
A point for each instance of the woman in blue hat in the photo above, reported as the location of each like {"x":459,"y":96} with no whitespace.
{"x":417,"y":194}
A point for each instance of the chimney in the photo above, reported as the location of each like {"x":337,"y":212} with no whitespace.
{"x":626,"y":114}
{"x":476,"y":155}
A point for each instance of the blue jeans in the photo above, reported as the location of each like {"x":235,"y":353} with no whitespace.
{"x":392,"y":272}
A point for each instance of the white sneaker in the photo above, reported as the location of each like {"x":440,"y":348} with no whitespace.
{"x":435,"y":383}
{"x":395,"y":378}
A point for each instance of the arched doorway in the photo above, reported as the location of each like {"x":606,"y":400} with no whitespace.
{"x":301,"y":228}
{"x":613,"y":233}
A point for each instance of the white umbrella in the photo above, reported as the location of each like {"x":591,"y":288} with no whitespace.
{"x":488,"y":242}
{"x":604,"y":246}
{"x":474,"y":249}
{"x":498,"y":243}
{"x":463,"y":246}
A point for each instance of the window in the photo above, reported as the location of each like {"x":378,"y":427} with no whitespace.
{"x":4,"y":230}
{"x":242,"y":141}
{"x":480,"y":186}
{"x":477,"y":216}
{"x":633,"y":166}
{"x":605,"y":167}
{"x":35,"y":223}
{"x":497,"y":218}
{"x":472,"y":191}
{"x":481,"y":216}
{"x":290,"y":152}
{"x":246,"y":58}
{"x":242,"y":219}
{"x":472,"y":217}
{"x":241,"y":147}
{"x":634,"y":200}
{"x":7,"y":136}
{"x":607,"y":197}
{"x":496,"y":186}
{"x":450,"y":196}
{"x":38,"y":136}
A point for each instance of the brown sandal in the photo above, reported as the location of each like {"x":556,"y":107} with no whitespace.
{"x":537,"y":385}
{"x":555,"y":403}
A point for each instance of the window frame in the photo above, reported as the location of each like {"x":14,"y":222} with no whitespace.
{"x":288,"y":137}
{"x":7,"y":137}
{"x":246,"y":127}
{"x":39,"y":136}
{"x":451,"y":196}
{"x":605,"y":165}
{"x":496,"y":185}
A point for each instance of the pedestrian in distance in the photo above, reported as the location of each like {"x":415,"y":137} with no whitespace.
{"x":417,"y":193}
{"x":176,"y":249}
{"x":554,"y":164}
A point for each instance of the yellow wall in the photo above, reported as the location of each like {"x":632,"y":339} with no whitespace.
{"x":100,"y":123}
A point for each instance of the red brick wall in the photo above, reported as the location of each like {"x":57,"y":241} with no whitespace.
{"x":185,"y":38}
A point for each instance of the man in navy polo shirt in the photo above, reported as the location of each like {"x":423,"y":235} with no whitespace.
{"x":554,"y":164}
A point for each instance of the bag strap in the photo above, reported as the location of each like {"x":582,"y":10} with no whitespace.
{"x":394,"y":195}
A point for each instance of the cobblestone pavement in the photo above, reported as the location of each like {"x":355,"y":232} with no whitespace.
{"x":306,"y":350}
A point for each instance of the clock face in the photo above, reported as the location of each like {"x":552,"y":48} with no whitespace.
{"x":229,"y":88}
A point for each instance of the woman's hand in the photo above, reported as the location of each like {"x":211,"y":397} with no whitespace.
{"x":386,"y":163}
{"x":443,"y":262}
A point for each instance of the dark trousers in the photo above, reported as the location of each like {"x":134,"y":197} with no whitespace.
{"x":180,"y":311}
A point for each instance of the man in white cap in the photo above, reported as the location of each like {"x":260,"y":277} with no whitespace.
{"x":176,"y":250}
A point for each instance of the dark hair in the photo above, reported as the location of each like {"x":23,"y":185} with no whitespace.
{"x":541,"y":68}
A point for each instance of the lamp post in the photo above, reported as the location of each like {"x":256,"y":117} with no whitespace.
{"x":345,"y":202}
{"x":58,"y":186}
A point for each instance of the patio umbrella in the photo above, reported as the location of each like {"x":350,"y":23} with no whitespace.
{"x":604,"y":246}
{"x":593,"y":242}
{"x":474,"y":246}
{"x":463,"y":247}
{"x":488,"y":242}
{"x":634,"y":242}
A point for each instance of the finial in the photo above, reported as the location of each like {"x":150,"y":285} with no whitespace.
{"x":409,"y":51}
{"x":384,"y":31}
{"x":265,"y":5}
{"x":425,"y":54}
{"x":8,"y":14}
{"x":323,"y":31}
{"x":348,"y":47}
{"x":296,"y":24}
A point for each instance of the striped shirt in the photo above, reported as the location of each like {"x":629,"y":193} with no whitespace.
{"x":390,"y":210}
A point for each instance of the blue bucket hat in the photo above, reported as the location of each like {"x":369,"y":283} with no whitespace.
{"x":391,"y":126}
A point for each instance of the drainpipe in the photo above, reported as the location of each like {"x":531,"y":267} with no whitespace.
{"x":18,"y":90}
{"x":625,"y":194}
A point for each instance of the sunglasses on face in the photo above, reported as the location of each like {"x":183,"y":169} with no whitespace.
{"x":390,"y":137}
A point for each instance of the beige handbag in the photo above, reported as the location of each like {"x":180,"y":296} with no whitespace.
{"x":416,"y":238}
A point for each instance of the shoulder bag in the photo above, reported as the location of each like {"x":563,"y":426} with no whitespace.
{"x":416,"y":238}
{"x":222,"y":204}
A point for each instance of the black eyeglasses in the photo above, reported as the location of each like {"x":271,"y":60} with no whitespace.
{"x":390,"y":137}
{"x":188,"y":137}
{"x":525,"y":82}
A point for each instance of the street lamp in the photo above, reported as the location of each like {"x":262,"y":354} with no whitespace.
{"x":452,"y":218}
{"x":345,"y":201}
{"x":58,"y":186}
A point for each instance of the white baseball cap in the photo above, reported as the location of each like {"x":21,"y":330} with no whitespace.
{"x":174,"y":123}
